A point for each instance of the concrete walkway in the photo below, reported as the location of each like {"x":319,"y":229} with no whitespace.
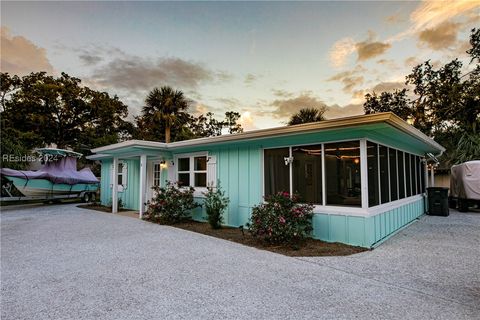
{"x":63,"y":262}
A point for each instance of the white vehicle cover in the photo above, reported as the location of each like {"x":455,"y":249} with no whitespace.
{"x":465,"y":180}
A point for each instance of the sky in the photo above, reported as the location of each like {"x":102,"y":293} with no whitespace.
{"x":265,"y":60}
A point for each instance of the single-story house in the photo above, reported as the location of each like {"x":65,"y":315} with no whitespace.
{"x":366,"y":175}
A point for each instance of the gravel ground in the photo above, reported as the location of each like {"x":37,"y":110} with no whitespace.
{"x":63,"y":262}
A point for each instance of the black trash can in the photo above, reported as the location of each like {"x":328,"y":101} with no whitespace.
{"x":437,"y":201}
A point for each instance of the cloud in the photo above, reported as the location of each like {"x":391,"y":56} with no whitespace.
{"x":136,"y":73}
{"x":440,"y":37}
{"x":365,"y":50}
{"x":430,"y":14}
{"x":350,"y":78}
{"x":230,"y":103}
{"x":250,"y":78}
{"x":282,"y":93}
{"x":388,"y":87}
{"x":223,"y":76}
{"x":369,"y":48}
{"x":284,"y":108}
{"x":336,"y":111}
{"x":90,"y":59}
{"x":341,"y":50}
{"x":412,"y":61}
{"x":247,"y":122}
{"x":20,"y":56}
{"x":389,"y":63}
{"x":394,"y":18}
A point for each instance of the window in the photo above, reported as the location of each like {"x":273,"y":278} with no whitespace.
{"x":200,"y":171}
{"x":393,"y":174}
{"x":401,"y":175}
{"x":307,"y":173}
{"x":192,"y":171}
{"x":156,"y":174}
{"x":408,"y":174}
{"x":184,"y":172}
{"x":384,"y":179}
{"x":372,"y":163}
{"x":342,"y":171}
{"x":120,"y":173}
{"x":122,"y":176}
{"x":276,"y":172}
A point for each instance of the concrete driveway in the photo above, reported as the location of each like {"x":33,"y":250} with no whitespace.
{"x":62,"y":262}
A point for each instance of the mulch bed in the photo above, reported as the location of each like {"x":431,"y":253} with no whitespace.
{"x":310,"y":248}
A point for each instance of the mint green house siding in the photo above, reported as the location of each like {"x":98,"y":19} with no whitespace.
{"x":129,"y":196}
{"x":365,"y":231}
{"x":239,"y":169}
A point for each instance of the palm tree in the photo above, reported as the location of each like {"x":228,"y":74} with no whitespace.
{"x":307,"y":115}
{"x":165,"y":104}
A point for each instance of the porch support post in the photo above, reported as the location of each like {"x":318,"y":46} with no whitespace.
{"x":364,"y":173}
{"x":143,"y":185}
{"x":425,"y":175}
{"x":432,"y":176}
{"x":115,"y":186}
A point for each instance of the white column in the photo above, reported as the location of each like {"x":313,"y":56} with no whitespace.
{"x":432,"y":176}
{"x":364,"y":173}
{"x":143,"y":185}
{"x":324,"y":181}
{"x":425,"y":175}
{"x":115,"y":186}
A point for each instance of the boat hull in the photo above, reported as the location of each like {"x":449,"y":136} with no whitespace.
{"x":45,"y":188}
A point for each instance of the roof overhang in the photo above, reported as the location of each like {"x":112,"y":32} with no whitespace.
{"x":386,"y":117}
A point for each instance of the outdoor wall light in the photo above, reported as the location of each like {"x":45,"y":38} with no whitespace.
{"x":288,"y":160}
{"x":163,"y":164}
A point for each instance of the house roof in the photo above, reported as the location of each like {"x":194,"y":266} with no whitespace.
{"x":386,"y":117}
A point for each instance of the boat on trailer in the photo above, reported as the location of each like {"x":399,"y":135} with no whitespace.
{"x":57,"y":179}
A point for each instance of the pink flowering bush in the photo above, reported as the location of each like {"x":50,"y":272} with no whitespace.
{"x":281,"y":219}
{"x":170,"y":204}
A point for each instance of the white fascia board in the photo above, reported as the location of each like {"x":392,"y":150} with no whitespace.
{"x":98,"y":156}
{"x":387,"y":117}
{"x":131,"y":143}
{"x":279,"y":131}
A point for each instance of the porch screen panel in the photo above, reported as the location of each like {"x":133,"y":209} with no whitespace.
{"x":342,"y":172}
{"x":415,"y":188}
{"x":372,"y":163}
{"x":422,"y":176}
{"x":276,"y":173}
{"x":384,"y":183}
{"x":393,"y":174}
{"x":307,"y":173}
{"x":408,"y":174}
{"x":401,"y":175}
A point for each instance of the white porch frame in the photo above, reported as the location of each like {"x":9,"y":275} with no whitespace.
{"x":114,"y":186}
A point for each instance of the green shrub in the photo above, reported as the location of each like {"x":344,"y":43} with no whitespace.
{"x":281,"y":219}
{"x":215,"y":204}
{"x":170,"y":204}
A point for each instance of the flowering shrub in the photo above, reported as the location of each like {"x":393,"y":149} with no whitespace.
{"x":281,"y":219}
{"x":170,"y":204}
{"x":215,"y":203}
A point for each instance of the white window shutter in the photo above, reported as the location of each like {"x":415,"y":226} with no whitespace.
{"x":111,"y":175}
{"x":125,"y":175}
{"x":212,"y":172}
{"x":172,"y":169}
